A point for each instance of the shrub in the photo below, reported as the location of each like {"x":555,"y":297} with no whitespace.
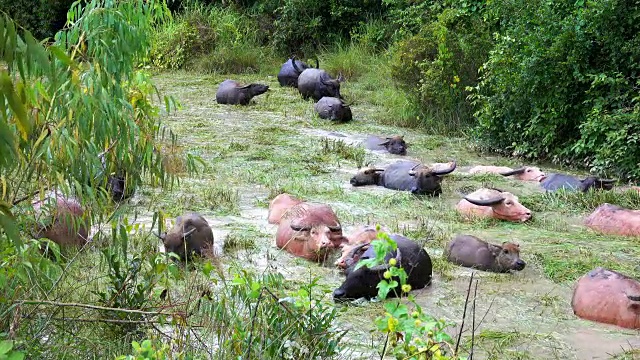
{"x":561,"y":83}
{"x":436,"y":65}
{"x":42,"y":17}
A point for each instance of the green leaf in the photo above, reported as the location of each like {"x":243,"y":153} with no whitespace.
{"x":5,"y":346}
{"x":24,"y":124}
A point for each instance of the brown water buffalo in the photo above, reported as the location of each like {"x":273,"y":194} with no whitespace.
{"x":470,"y":251}
{"x":62,"y":220}
{"x":190,"y":235}
{"x":233,"y":93}
{"x":362,"y":235}
{"x":614,"y":220}
{"x":608,"y":297}
{"x":288,"y":75}
{"x":279,"y":205}
{"x":334,"y":109}
{"x":526,"y":173}
{"x":493,"y":203}
{"x":394,"y":145}
{"x":317,"y":83}
{"x":406,"y":176}
{"x":311,"y":231}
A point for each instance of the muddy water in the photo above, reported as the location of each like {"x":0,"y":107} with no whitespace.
{"x":526,"y":306}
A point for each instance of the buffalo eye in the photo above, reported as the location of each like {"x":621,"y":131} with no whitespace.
{"x":508,"y":202}
{"x":528,"y":170}
{"x":505,"y":251}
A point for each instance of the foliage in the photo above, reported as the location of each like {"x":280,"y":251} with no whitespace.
{"x":208,"y":39}
{"x":70,"y":112}
{"x":561,"y":83}
{"x":7,"y":351}
{"x":43,"y":18}
{"x":437,"y":64}
{"x":256,"y":318}
{"x":147,"y":351}
{"x":411,"y":333}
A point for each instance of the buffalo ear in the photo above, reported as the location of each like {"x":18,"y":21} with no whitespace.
{"x":384,"y":143}
{"x":340,"y":78}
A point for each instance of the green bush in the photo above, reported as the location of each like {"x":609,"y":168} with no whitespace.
{"x":561,"y":83}
{"x":436,"y":65}
{"x":41,"y":17}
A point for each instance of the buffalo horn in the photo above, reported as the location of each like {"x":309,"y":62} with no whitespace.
{"x":514,"y":172}
{"x":633,"y":297}
{"x":317,"y":63}
{"x":446,"y":171}
{"x":300,"y":228}
{"x":356,"y":249}
{"x":295,"y":67}
{"x":158,"y":236}
{"x":412,"y":172}
{"x":487,"y":202}
{"x":184,"y":235}
{"x":335,"y":228}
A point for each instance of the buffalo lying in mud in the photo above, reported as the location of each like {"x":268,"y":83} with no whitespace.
{"x":279,"y":205}
{"x":555,"y":182}
{"x":362,"y":235}
{"x":62,"y":220}
{"x":470,"y":251}
{"x":316,"y":83}
{"x":614,"y":220}
{"x":493,"y":203}
{"x":406,"y":176}
{"x":190,"y":235}
{"x":363,"y":282}
{"x":526,"y":173}
{"x":394,"y":145}
{"x":333,"y":108}
{"x":233,"y":93}
{"x":307,"y":230}
{"x":608,"y":297}
{"x":288,"y":75}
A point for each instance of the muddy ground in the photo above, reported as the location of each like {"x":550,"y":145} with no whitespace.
{"x":278,"y":145}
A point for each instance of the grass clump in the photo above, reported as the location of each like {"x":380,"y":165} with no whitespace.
{"x":575,"y":201}
{"x":221,"y":199}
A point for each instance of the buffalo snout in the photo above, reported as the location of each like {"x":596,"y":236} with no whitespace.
{"x":353,"y":181}
{"x":519,"y":265}
{"x":339,"y":295}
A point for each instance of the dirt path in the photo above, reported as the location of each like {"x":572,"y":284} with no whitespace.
{"x":277,"y":145}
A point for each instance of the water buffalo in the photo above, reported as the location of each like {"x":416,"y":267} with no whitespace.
{"x":279,"y":205}
{"x":311,"y":231}
{"x":526,"y":173}
{"x":556,"y":181}
{"x":394,"y":145}
{"x":232,"y":92}
{"x":288,"y":75}
{"x":190,"y":235}
{"x":360,"y":236}
{"x":406,"y":176}
{"x":470,"y":251}
{"x":316,"y":83}
{"x":362,"y":282}
{"x":333,"y":108}
{"x":117,"y":187}
{"x":608,"y":297}
{"x":493,"y":203}
{"x":614,"y":220}
{"x":62,"y":220}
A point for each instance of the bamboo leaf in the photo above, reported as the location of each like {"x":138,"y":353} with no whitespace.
{"x":23,"y":122}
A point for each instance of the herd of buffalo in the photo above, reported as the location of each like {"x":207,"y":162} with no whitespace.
{"x":313,"y":231}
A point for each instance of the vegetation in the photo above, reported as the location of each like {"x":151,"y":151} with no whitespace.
{"x":556,"y":82}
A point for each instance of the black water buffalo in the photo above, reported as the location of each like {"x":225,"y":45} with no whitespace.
{"x":288,"y":75}
{"x":316,"y":83}
{"x":394,"y":145}
{"x":234,"y":93}
{"x":362,"y":282}
{"x":191,"y":235}
{"x":333,"y":109}
{"x":406,"y":176}
{"x":556,"y":181}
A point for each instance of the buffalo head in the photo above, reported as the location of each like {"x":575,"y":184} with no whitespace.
{"x":428,"y":179}
{"x":395,"y":145}
{"x":367,"y":176}
{"x":495,"y":203}
{"x":527,"y":173}
{"x":509,"y":257}
{"x":595,"y":183}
